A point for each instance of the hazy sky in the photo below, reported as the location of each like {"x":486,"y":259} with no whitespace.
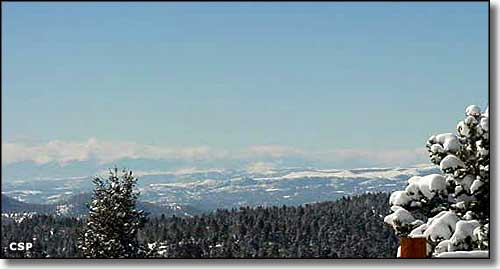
{"x":319,"y":76}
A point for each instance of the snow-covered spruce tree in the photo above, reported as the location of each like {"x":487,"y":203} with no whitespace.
{"x":113,"y":220}
{"x":452,"y":210}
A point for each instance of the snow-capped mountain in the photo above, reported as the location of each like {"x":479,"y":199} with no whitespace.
{"x":211,"y":190}
{"x":220,"y":188}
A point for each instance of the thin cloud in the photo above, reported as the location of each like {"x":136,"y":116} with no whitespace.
{"x":64,"y":152}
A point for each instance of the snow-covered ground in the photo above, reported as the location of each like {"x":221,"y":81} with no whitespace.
{"x":464,"y":254}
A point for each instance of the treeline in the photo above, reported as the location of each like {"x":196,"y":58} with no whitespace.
{"x":346,"y":228}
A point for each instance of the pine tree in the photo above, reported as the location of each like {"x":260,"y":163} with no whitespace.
{"x":450,"y":210}
{"x":113,"y":220}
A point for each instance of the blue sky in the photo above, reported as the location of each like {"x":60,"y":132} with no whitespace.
{"x":318,"y":76}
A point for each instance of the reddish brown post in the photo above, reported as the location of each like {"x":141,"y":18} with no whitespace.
{"x":413,"y":247}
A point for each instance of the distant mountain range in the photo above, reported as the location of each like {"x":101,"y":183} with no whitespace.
{"x":77,"y":205}
{"x":206,"y":190}
{"x":27,"y":170}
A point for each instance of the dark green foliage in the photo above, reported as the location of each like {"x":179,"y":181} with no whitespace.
{"x":113,"y":220}
{"x":347,"y":228}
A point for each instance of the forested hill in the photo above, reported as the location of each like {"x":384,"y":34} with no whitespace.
{"x":346,"y":228}
{"x":13,"y":205}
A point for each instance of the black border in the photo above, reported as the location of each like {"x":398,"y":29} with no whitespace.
{"x":475,"y":261}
